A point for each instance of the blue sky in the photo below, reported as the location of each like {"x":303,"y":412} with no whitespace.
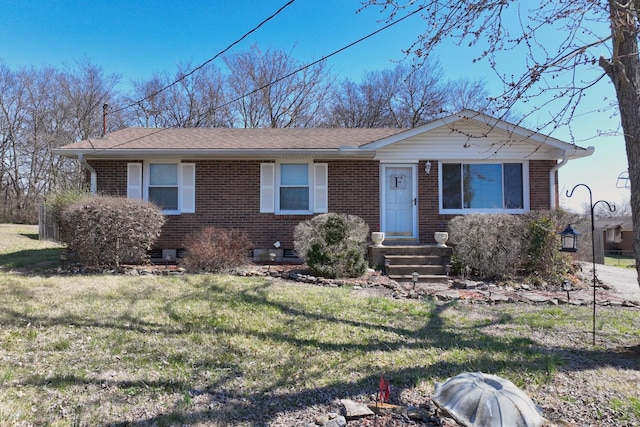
{"x":137,"y":38}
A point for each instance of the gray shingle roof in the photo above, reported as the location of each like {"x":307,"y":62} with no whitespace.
{"x":232,"y":139}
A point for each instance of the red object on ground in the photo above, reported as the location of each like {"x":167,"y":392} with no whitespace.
{"x":385,"y":389}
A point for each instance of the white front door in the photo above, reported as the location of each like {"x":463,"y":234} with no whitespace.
{"x":399,"y":202}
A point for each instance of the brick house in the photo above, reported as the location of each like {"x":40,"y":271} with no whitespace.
{"x":407,"y":183}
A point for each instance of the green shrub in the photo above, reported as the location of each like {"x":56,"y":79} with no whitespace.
{"x":58,"y":201}
{"x":333,"y":245}
{"x":216,"y":250}
{"x":110,"y":230}
{"x":543,"y":259}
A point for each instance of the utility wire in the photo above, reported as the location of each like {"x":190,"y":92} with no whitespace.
{"x":304,"y":67}
{"x":217,"y":55}
{"x":311,"y":64}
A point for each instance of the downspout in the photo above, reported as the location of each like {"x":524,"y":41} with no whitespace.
{"x":92,"y":171}
{"x":552,"y":179}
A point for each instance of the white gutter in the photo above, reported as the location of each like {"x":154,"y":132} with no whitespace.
{"x":552,"y":179}
{"x":92,"y":171}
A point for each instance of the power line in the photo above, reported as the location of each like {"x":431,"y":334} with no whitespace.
{"x":304,"y":67}
{"x":311,"y":64}
{"x":213,"y":58}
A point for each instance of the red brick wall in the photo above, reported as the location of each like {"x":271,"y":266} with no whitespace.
{"x":429,"y":218}
{"x":539,"y":184}
{"x":228,"y":196}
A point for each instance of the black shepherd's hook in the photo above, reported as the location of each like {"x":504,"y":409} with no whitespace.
{"x":593,"y":245}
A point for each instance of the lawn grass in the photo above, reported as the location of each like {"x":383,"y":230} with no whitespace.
{"x":216,"y":349}
{"x":20,"y":247}
{"x":620,"y":261}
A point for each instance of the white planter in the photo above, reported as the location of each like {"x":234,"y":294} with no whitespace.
{"x":441,"y":238}
{"x":377,"y":237}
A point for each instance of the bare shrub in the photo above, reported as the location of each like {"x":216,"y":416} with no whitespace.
{"x":216,"y":250}
{"x":505,"y":246}
{"x":111,"y":230}
{"x":487,"y":245}
{"x":333,"y":245}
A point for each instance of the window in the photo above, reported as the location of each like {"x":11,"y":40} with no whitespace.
{"x":483,"y":187}
{"x":294,"y":188}
{"x":169,"y":185}
{"x":163,"y":185}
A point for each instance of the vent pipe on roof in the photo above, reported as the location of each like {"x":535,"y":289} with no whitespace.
{"x":104,"y":119}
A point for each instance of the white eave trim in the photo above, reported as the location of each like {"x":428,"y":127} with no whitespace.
{"x":348,"y":152}
{"x":519,"y":133}
{"x":573,"y":152}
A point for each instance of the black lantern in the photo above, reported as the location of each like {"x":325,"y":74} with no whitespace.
{"x":569,"y":238}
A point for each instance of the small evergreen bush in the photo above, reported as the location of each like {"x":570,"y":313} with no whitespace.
{"x":216,"y":250}
{"x":110,"y":230}
{"x":333,"y":245}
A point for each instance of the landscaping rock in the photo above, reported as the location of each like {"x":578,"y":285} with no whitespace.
{"x":354,"y":410}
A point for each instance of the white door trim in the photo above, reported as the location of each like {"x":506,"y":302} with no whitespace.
{"x":414,"y":197}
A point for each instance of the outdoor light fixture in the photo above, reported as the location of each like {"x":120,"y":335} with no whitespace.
{"x":569,"y":239}
{"x":276,"y":244}
{"x":414,"y":277}
{"x":427,"y":167}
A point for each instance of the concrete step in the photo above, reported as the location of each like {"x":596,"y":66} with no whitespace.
{"x":413,"y":260}
{"x":421,"y":269}
{"x":423,"y":278}
{"x":377,"y":254}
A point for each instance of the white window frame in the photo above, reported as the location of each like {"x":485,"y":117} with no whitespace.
{"x":525,"y":190}
{"x":148,"y":186}
{"x":270,"y":184}
{"x":186,"y":190}
{"x":279,"y":185}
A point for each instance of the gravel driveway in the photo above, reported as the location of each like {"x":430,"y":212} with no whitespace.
{"x":622,"y":280}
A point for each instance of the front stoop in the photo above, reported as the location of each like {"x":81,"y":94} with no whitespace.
{"x":431,"y":262}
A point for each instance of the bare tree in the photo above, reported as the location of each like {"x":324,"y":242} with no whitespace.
{"x":365,"y":105}
{"x":405,"y":96}
{"x":183,"y":100}
{"x":264,"y":89}
{"x":467,"y":94}
{"x":556,"y":72}
{"x":421,"y":94}
{"x":42,"y":109}
{"x":623,"y":208}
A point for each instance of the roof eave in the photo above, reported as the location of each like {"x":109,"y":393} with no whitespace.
{"x":573,"y":153}
{"x":91,"y":154}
